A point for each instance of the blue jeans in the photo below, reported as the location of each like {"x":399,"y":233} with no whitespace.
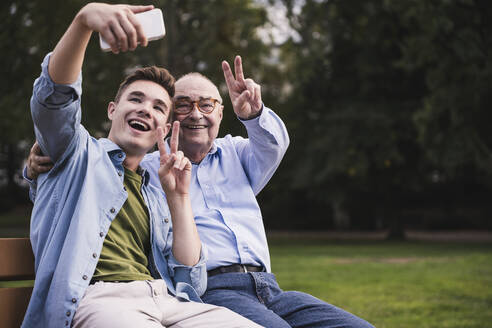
{"x":258,"y":297}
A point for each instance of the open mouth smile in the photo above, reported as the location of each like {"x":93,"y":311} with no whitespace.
{"x":139,"y":125}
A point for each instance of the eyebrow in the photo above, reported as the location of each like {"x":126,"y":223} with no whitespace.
{"x":141,"y":95}
{"x":188,"y":98}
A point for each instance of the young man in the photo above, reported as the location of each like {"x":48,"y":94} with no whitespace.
{"x":101,"y":234}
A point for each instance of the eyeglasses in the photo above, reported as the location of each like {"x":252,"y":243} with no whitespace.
{"x":185,"y":106}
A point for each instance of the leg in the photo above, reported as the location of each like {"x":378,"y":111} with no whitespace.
{"x":301,"y":309}
{"x":236,"y":291}
{"x":124,"y":305}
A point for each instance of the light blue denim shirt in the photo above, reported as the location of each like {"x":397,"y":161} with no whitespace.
{"x":224,"y":187}
{"x":75,"y":204}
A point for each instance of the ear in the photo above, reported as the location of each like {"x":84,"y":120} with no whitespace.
{"x":111,"y":109}
{"x":221,"y":112}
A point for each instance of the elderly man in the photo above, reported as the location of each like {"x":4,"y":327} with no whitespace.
{"x":106,"y":254}
{"x":226,"y":175}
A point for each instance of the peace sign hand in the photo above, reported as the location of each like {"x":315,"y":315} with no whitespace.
{"x":175,"y":168}
{"x":245,"y":93}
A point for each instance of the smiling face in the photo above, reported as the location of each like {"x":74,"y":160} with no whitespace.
{"x":198,"y":130}
{"x":135,"y":116}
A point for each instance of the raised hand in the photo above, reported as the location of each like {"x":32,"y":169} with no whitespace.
{"x":116,"y":23}
{"x":37,"y":163}
{"x":175,"y":168}
{"x":245,"y":93}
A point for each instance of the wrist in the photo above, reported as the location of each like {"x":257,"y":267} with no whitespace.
{"x":177,"y":197}
{"x":252,"y":115}
{"x":82,"y":17}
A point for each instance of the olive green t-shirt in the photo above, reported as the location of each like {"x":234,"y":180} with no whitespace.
{"x":127,"y":244}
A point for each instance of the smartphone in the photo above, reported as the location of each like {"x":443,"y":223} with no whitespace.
{"x":152,"y":24}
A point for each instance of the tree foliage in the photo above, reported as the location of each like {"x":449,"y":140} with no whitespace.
{"x":386,"y":101}
{"x":390,"y":97}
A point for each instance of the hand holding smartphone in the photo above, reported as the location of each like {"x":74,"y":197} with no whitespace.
{"x":152,"y":23}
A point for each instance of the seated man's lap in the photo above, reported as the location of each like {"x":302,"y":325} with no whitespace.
{"x":147,"y":304}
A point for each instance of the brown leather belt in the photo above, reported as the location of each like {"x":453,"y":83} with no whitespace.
{"x":235,"y":268}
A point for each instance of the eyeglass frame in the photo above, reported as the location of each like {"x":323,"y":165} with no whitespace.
{"x":193,"y":103}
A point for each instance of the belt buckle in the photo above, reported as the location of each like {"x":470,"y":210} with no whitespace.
{"x":244,"y":268}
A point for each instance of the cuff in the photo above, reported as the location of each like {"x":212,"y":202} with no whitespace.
{"x":259,"y":124}
{"x":33,"y":184}
{"x":195,"y":275}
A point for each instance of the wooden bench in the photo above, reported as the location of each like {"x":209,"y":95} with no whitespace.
{"x":16,"y":280}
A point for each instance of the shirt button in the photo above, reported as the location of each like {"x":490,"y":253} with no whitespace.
{"x":85,"y":277}
{"x":68,"y":313}
{"x":66,"y":323}
{"x":166,"y":220}
{"x":124,"y":188}
{"x":94,"y":255}
{"x":74,"y":300}
{"x":119,"y":173}
{"x":112,"y":210}
{"x":101,"y":234}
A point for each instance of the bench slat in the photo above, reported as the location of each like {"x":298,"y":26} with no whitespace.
{"x":16,"y":258}
{"x":13,"y":305}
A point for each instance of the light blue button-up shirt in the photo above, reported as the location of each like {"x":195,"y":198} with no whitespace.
{"x":75,"y":204}
{"x":224,"y":187}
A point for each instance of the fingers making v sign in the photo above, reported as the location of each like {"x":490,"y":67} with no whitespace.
{"x":245,"y":93}
{"x":175,"y":168}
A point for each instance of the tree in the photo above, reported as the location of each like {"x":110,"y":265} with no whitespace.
{"x":391,"y":92}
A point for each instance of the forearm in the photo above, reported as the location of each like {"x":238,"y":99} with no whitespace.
{"x":68,"y":55}
{"x":265,"y":147}
{"x":186,"y":242}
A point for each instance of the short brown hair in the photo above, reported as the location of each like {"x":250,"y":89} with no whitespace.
{"x":155,"y":74}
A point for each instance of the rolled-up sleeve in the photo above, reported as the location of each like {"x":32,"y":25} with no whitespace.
{"x":195,"y":276}
{"x":55,"y":110}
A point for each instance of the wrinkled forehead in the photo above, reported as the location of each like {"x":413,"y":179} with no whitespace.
{"x":196,"y":87}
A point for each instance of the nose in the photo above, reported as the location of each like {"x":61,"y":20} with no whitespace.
{"x":195,"y":112}
{"x":145,"y":109}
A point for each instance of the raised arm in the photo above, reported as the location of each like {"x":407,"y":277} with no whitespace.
{"x":268,"y":139}
{"x":55,"y":104}
{"x":175,"y":175}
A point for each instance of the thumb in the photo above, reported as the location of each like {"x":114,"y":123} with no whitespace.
{"x":140,"y":9}
{"x":166,"y":164}
{"x":242,"y":99}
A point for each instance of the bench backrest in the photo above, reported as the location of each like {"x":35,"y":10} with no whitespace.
{"x":16,"y":272}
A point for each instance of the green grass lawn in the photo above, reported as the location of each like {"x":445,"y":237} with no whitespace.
{"x":392,"y":284}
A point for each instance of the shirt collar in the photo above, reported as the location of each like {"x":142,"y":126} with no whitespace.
{"x":117,"y":156}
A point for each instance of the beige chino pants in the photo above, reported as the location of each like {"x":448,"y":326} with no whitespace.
{"x":147,"y":304}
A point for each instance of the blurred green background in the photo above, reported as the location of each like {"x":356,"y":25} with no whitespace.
{"x":387,"y":102}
